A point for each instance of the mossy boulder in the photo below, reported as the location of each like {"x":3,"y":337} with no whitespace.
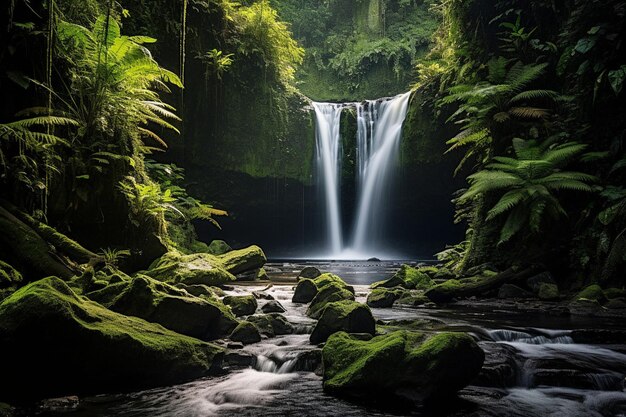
{"x":348,"y":316}
{"x":615,"y":293}
{"x":331,"y":288}
{"x":246,"y":333}
{"x":412,"y":299}
{"x":243,"y":260}
{"x":592,"y":292}
{"x":87,"y":348}
{"x":309,"y":272}
{"x":169,"y":306}
{"x":402,"y":364}
{"x":383,"y":297}
{"x":305,"y":291}
{"x":197,"y":268}
{"x":241,"y":305}
{"x":407,"y":277}
{"x":272,"y":324}
{"x":548,"y":292}
{"x":9,"y":276}
{"x":219,"y":247}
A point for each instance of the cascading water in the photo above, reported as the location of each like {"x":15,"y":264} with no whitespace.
{"x":378,"y":138}
{"x":379,"y":127}
{"x":327,"y":116}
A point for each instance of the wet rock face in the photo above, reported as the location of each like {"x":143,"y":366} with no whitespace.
{"x":88,"y":348}
{"x":246,"y":333}
{"x":401,"y":364}
{"x":309,"y":272}
{"x":305,"y":291}
{"x":348,"y":316}
{"x":273,"y":306}
{"x":241,"y":305}
{"x":499,"y":368}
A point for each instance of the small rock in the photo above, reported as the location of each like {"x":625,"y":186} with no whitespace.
{"x":548,"y":292}
{"x":309,"y":272}
{"x":246,"y":333}
{"x":305,"y":291}
{"x":260,"y":295}
{"x":241,"y":305}
{"x":273,"y":307}
{"x":535,"y":282}
{"x":243,"y":359}
{"x":373,"y":260}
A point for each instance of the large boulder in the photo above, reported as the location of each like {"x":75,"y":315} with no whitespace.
{"x":348,"y":316}
{"x":273,"y":324}
{"x":407,"y":277}
{"x":305,"y":291}
{"x":401,"y":364}
{"x":197,"y":268}
{"x":384,"y":297}
{"x":592,"y":292}
{"x":241,"y":305}
{"x":329,"y":291}
{"x":246,"y":333}
{"x":243,"y":260}
{"x":171,"y":307}
{"x":54,"y":343}
{"x":219,"y":247}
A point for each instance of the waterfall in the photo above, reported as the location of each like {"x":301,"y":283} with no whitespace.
{"x":327,"y":116}
{"x":378,"y":137}
{"x":379,"y":127}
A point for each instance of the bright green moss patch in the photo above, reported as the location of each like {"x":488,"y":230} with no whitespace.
{"x":328,"y":294}
{"x":241,"y":305}
{"x":383,"y":297}
{"x":197,"y":268}
{"x":9,"y":276}
{"x":592,"y":292}
{"x":407,"y":277}
{"x":346,"y":315}
{"x":243,"y":260}
{"x":89,"y":348}
{"x":400,"y":364}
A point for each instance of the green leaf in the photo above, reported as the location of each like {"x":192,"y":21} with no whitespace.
{"x":616,"y":79}
{"x":584,"y":45}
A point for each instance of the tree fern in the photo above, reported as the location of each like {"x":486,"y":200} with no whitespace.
{"x":528,"y":185}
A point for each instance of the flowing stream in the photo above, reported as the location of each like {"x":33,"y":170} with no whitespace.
{"x":533,"y":367}
{"x":379,"y":128}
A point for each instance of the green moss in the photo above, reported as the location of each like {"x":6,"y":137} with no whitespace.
{"x":246,"y":333}
{"x":450,"y":284}
{"x":330,"y":291}
{"x":400,"y":364}
{"x":219,"y":247}
{"x":173,"y":308}
{"x":243,"y":260}
{"x":611,"y":293}
{"x":241,"y":305}
{"x":592,"y":292}
{"x":94,"y":349}
{"x":9,"y":276}
{"x":197,"y":268}
{"x":348,"y":316}
{"x":412,"y":299}
{"x":271,"y":324}
{"x":383,"y":297}
{"x":406,"y":277}
{"x":548,"y":291}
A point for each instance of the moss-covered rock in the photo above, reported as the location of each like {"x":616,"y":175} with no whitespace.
{"x":169,"y":306}
{"x":272,"y":324}
{"x":197,"y":268}
{"x":331,"y":291}
{"x":592,"y":292}
{"x":219,"y":247}
{"x":88,"y":348}
{"x":309,"y":272}
{"x":407,"y":277}
{"x":615,"y":293}
{"x":401,"y":364}
{"x":9,"y":276}
{"x":243,"y":260}
{"x":383,"y":297}
{"x":348,"y":316}
{"x":412,"y":299}
{"x":241,"y":305}
{"x":246,"y":333}
{"x":305,"y":291}
{"x":548,"y":291}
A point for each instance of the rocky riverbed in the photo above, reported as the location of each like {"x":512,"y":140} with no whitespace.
{"x":539,"y":360}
